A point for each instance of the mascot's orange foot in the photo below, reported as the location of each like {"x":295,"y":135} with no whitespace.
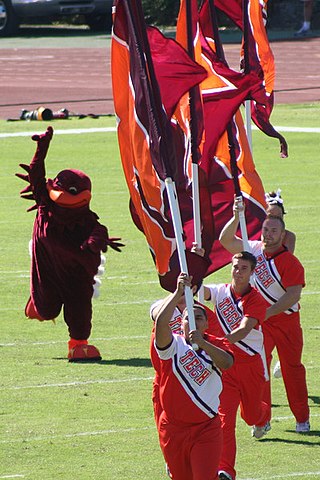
{"x":84,"y":353}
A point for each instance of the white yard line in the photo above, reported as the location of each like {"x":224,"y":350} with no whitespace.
{"x":70,"y":131}
{"x":78,"y":384}
{"x":103,"y":382}
{"x":273,"y":477}
{"x":104,"y":339}
{"x":26,"y":274}
{"x":144,"y":428}
{"x":294,"y":129}
{"x":79,"y":131}
{"x":80,"y":434}
{"x":287,"y":475}
{"x":290,"y":417}
{"x":17,"y":475}
{"x":121,"y":431}
{"x":138,"y":302}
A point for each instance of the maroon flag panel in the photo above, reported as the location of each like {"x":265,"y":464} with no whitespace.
{"x":149,"y":75}
{"x":222,"y":188}
{"x":257,"y":61}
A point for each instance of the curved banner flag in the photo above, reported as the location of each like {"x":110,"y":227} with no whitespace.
{"x":221,"y":187}
{"x":257,"y":57}
{"x":223,"y":92}
{"x":150,"y":73}
{"x":257,"y":19}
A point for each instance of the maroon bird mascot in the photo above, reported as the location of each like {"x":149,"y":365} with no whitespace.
{"x":67,"y":242}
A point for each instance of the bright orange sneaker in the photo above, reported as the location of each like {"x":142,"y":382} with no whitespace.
{"x":75,"y":343}
{"x":84,"y":353}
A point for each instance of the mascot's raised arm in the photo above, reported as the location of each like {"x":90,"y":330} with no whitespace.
{"x":67,"y":242}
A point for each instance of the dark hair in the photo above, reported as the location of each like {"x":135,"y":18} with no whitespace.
{"x":247,"y":256}
{"x":272,"y":200}
{"x":199,"y":307}
{"x":274,"y":217}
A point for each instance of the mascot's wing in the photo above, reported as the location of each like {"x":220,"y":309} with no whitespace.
{"x":114,"y":244}
{"x":27,"y":192}
{"x":99,"y":240}
{"x":36,"y":170}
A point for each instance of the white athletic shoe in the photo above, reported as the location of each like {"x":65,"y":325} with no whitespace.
{"x":303,"y":32}
{"x":224,"y":475}
{"x":303,"y":427}
{"x":259,"y":432}
{"x":277,"y":370}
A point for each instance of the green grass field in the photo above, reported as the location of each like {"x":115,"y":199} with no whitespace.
{"x":95,"y":421}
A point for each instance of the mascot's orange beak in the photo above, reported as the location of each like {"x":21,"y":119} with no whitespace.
{"x":67,"y":200}
{"x":70,"y":189}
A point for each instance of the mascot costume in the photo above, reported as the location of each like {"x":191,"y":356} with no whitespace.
{"x":67,"y":242}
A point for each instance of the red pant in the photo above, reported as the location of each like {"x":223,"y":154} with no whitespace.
{"x":243,"y":385}
{"x":284,"y":332}
{"x":191,"y":451}
{"x":157,"y":408}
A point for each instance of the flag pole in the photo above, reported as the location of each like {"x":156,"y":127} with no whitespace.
{"x":160,"y":124}
{"x":196,"y":217}
{"x":233,"y":160}
{"x":196,"y":205}
{"x":178,"y":230}
{"x":239,"y":196}
{"x":194,"y":92}
{"x":247,"y":104}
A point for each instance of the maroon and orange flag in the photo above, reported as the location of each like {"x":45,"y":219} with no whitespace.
{"x":157,"y":99}
{"x":221,"y":184}
{"x":150,"y":73}
{"x":256,"y":58}
{"x":223,"y":91}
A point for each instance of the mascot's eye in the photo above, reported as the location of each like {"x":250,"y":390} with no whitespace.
{"x":73,"y":190}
